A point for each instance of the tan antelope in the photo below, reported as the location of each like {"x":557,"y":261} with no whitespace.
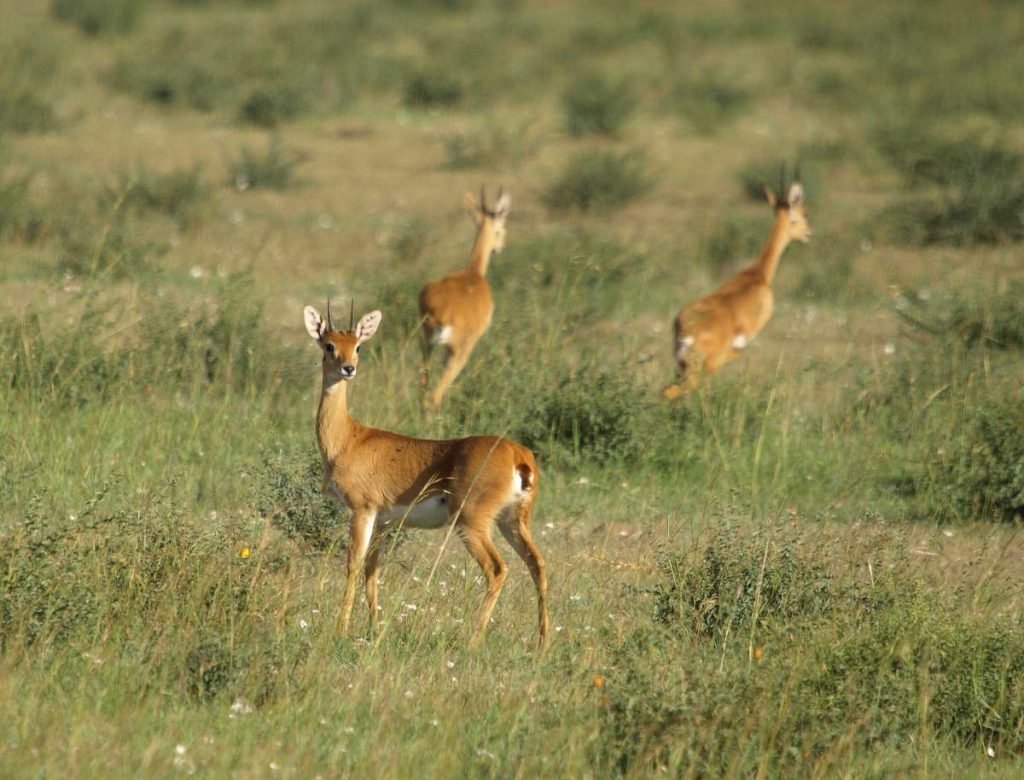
{"x":712,"y":330}
{"x":456,"y":310}
{"x":387,"y":479}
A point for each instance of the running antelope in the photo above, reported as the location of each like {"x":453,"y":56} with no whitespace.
{"x":388,"y":479}
{"x":714,"y":329}
{"x":456,"y":310}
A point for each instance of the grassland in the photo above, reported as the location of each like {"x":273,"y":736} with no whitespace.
{"x":811,"y":567}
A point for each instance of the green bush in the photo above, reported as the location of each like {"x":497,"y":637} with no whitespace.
{"x":272,"y":169}
{"x":432,"y":90}
{"x":984,"y":474}
{"x":25,"y":112}
{"x":744,"y":582}
{"x":589,"y":417}
{"x":99,"y":17}
{"x":594,"y":105}
{"x":599,"y":181}
{"x":979,"y":186}
{"x":268,"y":106}
{"x":115,"y":249}
{"x":709,"y":105}
{"x":976,"y":317}
{"x":289,"y":492}
{"x":868,"y":663}
{"x":181,"y":194}
{"x":732,"y":242}
{"x":20,"y":218}
{"x":213,"y":345}
{"x":168,"y":77}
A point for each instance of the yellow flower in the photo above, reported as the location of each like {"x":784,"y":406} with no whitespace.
{"x":245,"y":552}
{"x":598,"y":681}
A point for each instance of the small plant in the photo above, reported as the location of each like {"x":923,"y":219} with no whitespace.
{"x":709,"y":105}
{"x":114,"y":249}
{"x":432,"y":90}
{"x":594,"y":105}
{"x":268,"y":106}
{"x":290,"y":495}
{"x":590,"y":417}
{"x":99,"y":17}
{"x":731,"y":243}
{"x":20,"y":219}
{"x":984,"y":475}
{"x":25,"y":112}
{"x":599,"y":181}
{"x":980,"y":190}
{"x":977,"y":318}
{"x":179,"y":194}
{"x":273,"y":169}
{"x":499,"y":147}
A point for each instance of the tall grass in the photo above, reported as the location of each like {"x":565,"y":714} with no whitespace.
{"x":808,"y":567}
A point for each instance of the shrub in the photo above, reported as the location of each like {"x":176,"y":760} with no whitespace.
{"x":977,"y":317}
{"x":733,"y":242}
{"x":709,"y":105}
{"x":268,"y":106}
{"x":113,"y":249}
{"x":214,"y":345}
{"x":598,"y":181}
{"x":99,"y":17}
{"x":25,"y":112}
{"x":743,"y":581}
{"x":594,"y":105}
{"x":432,"y":90}
{"x":274,"y":168}
{"x":496,"y":148}
{"x":980,"y":190}
{"x":20,"y":219}
{"x":179,"y":194}
{"x":289,"y":492}
{"x":984,"y":475}
{"x":588,"y":417}
{"x":167,"y":79}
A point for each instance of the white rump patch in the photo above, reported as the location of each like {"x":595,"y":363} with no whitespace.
{"x":442,"y":335}
{"x":519,"y":490}
{"x":683,"y":346}
{"x":431,"y":512}
{"x":739,"y":341}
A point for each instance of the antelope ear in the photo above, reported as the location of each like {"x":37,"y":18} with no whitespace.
{"x":367,"y":326}
{"x":502,"y":207}
{"x":796,"y":195}
{"x":314,"y":323}
{"x":472,"y":207}
{"x":769,"y":195}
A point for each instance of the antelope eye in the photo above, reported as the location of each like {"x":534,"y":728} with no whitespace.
{"x":329,"y":348}
{"x":358,"y":347}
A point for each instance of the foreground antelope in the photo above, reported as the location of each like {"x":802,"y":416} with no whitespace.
{"x":456,"y":310}
{"x":386,"y":478}
{"x":713,"y":330}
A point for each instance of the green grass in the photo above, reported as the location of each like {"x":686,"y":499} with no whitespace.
{"x":810,"y":567}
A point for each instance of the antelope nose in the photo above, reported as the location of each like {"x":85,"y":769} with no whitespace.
{"x":348,"y":370}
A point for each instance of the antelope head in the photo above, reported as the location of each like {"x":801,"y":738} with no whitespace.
{"x":487,"y":219}
{"x":340,"y":347}
{"x":792,"y":207}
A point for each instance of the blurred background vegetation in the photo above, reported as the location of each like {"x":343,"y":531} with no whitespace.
{"x":810,"y":567}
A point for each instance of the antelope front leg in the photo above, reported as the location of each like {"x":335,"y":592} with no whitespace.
{"x":372,"y":565}
{"x":359,"y":536}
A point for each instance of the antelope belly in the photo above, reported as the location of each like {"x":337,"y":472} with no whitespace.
{"x":431,"y":512}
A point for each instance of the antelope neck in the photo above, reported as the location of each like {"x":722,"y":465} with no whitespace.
{"x":482,"y":248}
{"x":333,"y":424}
{"x":774,"y":246}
